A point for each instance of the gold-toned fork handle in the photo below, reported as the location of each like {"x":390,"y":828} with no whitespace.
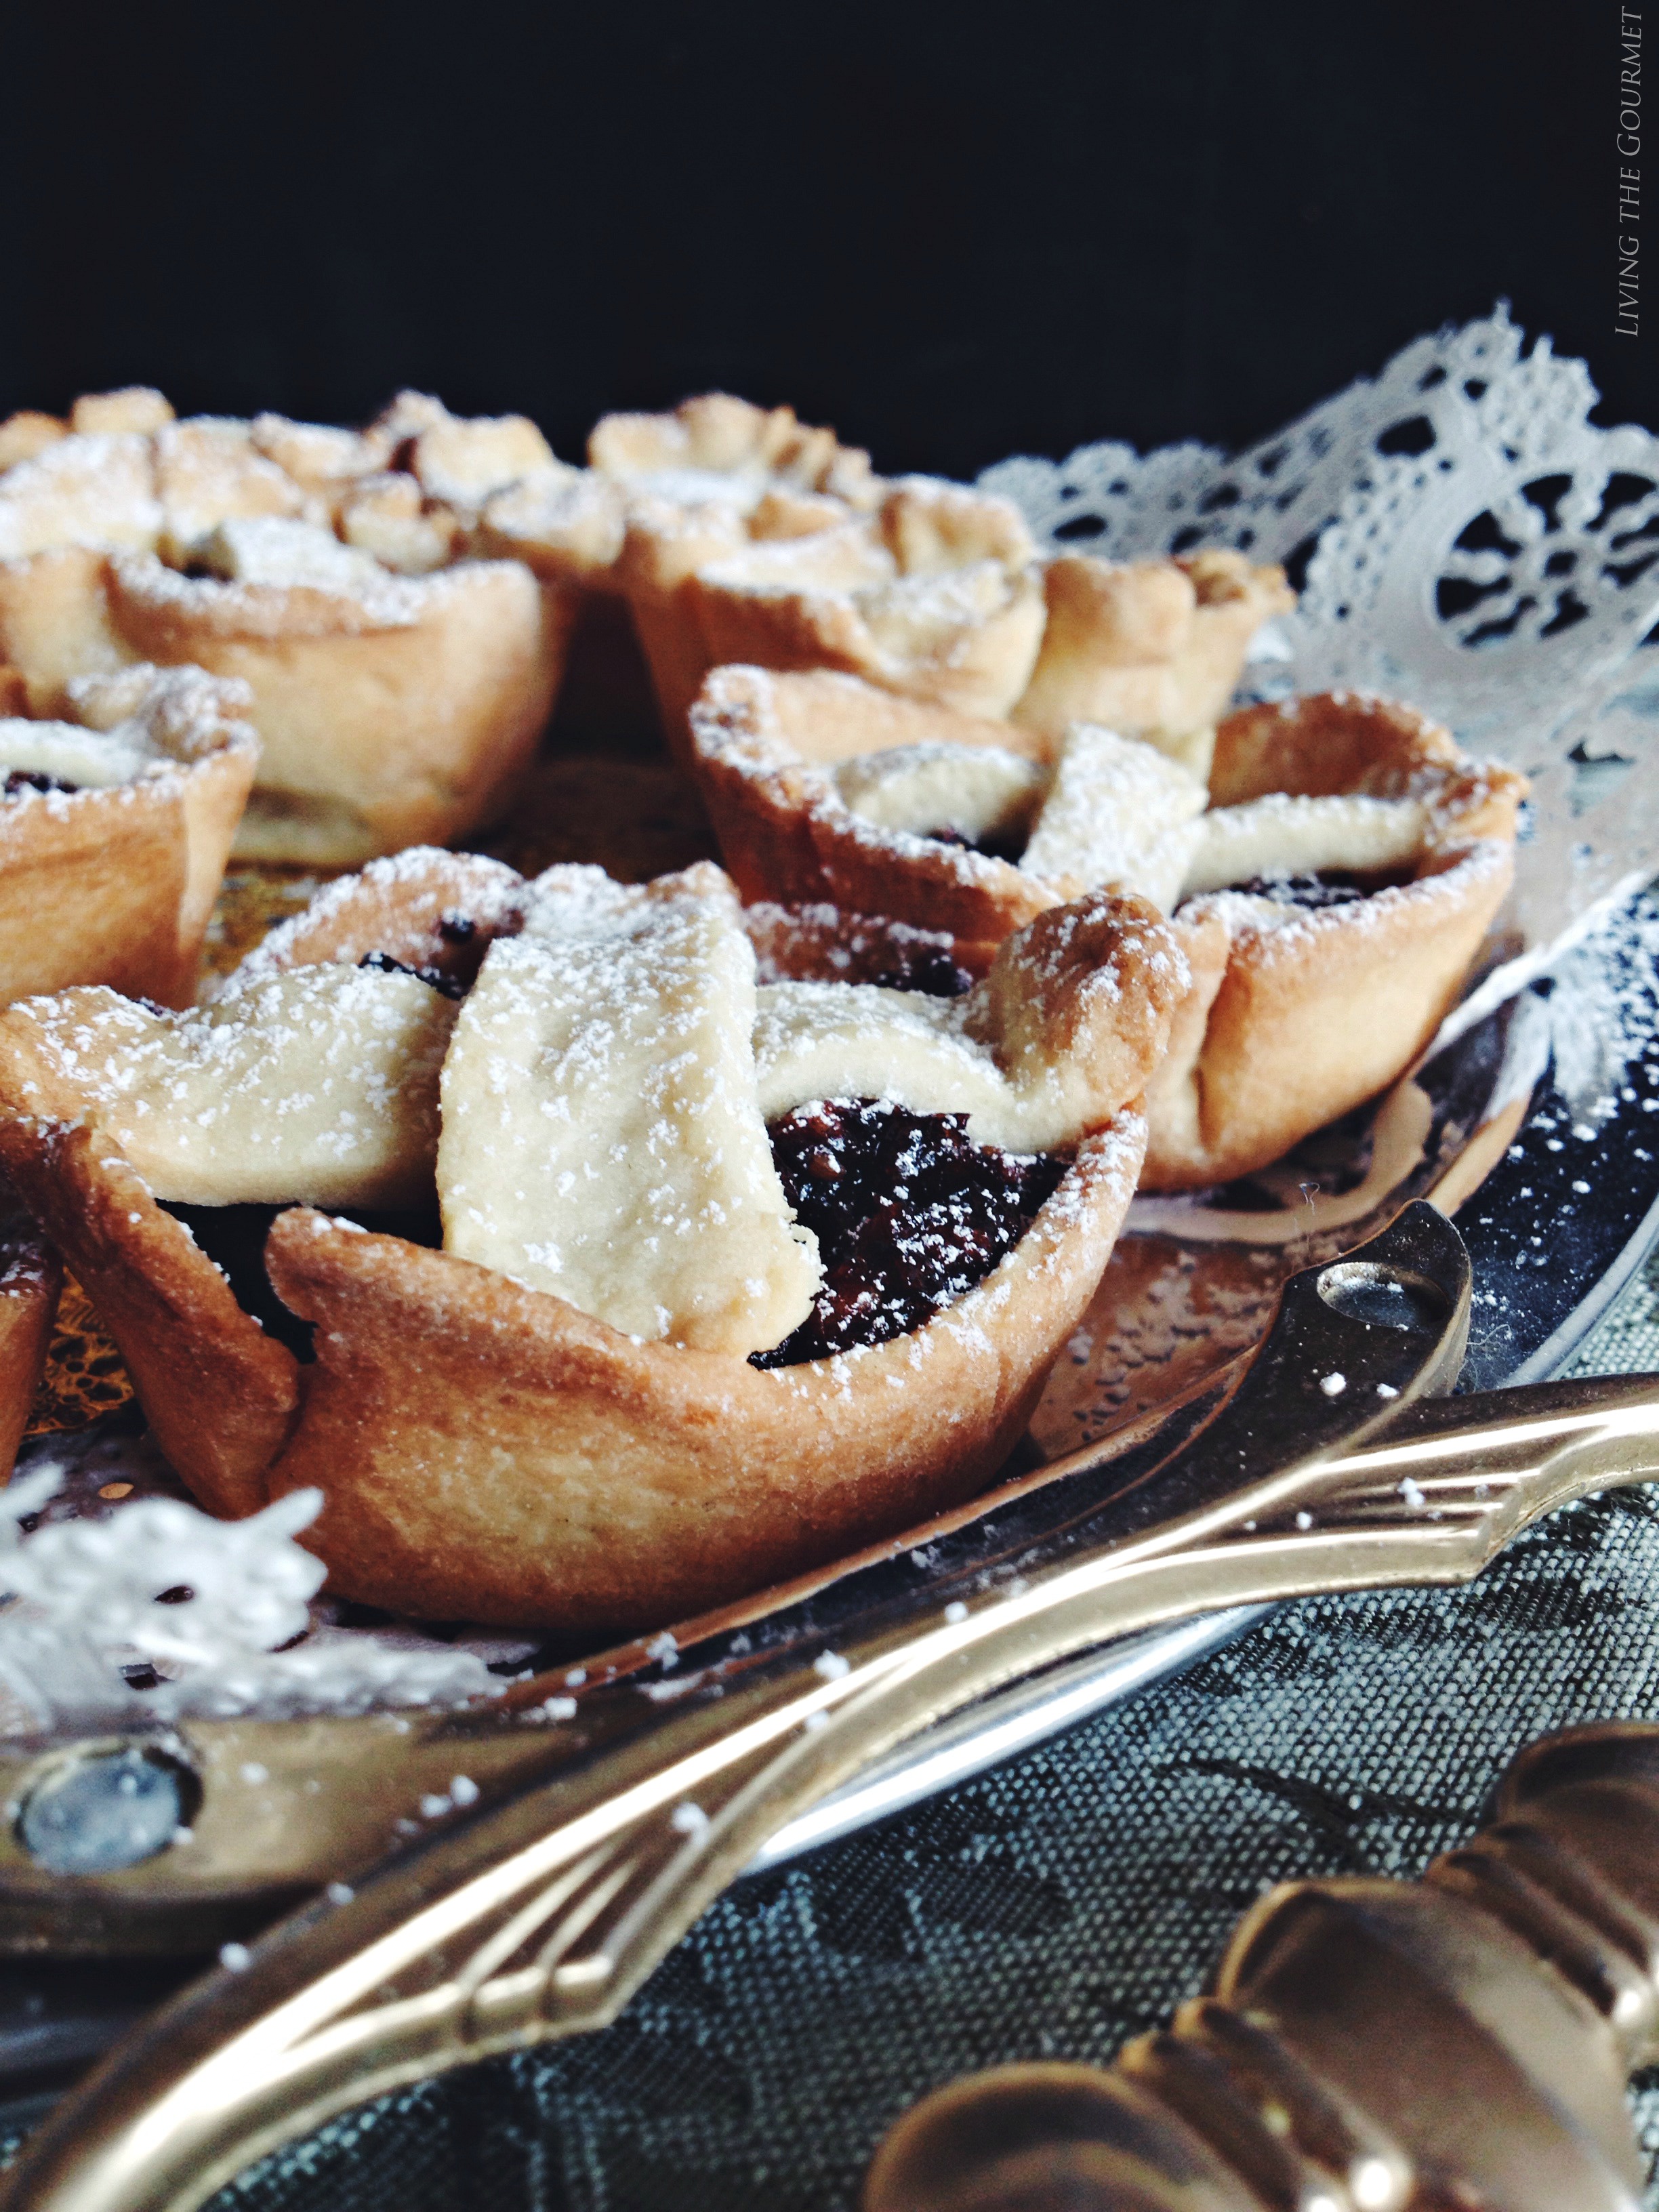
{"x":541,"y":1919}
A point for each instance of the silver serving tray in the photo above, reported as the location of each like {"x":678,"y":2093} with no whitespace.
{"x":1578,"y":1183}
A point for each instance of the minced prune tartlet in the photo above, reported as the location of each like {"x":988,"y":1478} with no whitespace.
{"x":539,"y":1406}
{"x":1330,"y":865}
{"x":908,"y":1212}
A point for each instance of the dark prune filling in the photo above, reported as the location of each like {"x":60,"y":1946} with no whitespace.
{"x":996,"y":845}
{"x":452,"y":986}
{"x":927,"y":968}
{"x":908,"y":1212}
{"x":33,"y":779}
{"x":1324,"y":887}
{"x":233,"y":1238}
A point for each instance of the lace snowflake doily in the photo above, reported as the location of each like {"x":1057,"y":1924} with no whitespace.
{"x":154,"y":1612}
{"x":1462,"y":536}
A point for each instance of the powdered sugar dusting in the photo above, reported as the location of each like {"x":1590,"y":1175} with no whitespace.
{"x":603,"y":1137}
{"x":316,"y":1083}
{"x":427,"y":882}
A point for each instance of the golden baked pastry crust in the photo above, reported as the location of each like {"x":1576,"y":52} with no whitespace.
{"x":1292,"y":1024}
{"x":926,"y":587}
{"x":1336,"y":742}
{"x":566,"y":524}
{"x":664,"y":543}
{"x":27,"y":433}
{"x":936,"y":597}
{"x":691,"y":485}
{"x":30,"y":1279}
{"x":695,"y":487}
{"x":115,"y":884}
{"x":716,"y":434}
{"x":137,"y":407}
{"x":815,"y":943}
{"x":663,"y":493}
{"x":409,"y":906}
{"x":604,"y":1484}
{"x":219,"y":1395}
{"x":399,"y":906}
{"x":55,"y":622}
{"x":401,"y":715}
{"x":101,"y":414}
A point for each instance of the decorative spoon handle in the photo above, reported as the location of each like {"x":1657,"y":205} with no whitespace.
{"x":1369,"y":2046}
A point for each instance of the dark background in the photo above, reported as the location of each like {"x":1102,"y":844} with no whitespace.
{"x":953,"y":233}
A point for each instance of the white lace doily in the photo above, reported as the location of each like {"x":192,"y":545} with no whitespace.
{"x":1463,"y":537}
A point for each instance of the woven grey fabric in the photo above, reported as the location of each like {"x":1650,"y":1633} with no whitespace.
{"x":1053,"y":1907}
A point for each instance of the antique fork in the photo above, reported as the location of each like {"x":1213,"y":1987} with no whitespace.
{"x":626,"y":1796}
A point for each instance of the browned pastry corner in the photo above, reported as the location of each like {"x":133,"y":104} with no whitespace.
{"x":1369,"y":2046}
{"x":1333,"y":744}
{"x":1296,"y":1015}
{"x":399,"y":681}
{"x":220,"y":1395}
{"x":1150,"y":648}
{"x":114,"y":881}
{"x":488,"y":1450}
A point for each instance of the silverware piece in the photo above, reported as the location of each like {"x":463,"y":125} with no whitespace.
{"x":1464,"y":2038}
{"x":1321,"y":1462}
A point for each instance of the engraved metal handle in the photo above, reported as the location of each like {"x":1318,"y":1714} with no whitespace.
{"x":1325,"y":1470}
